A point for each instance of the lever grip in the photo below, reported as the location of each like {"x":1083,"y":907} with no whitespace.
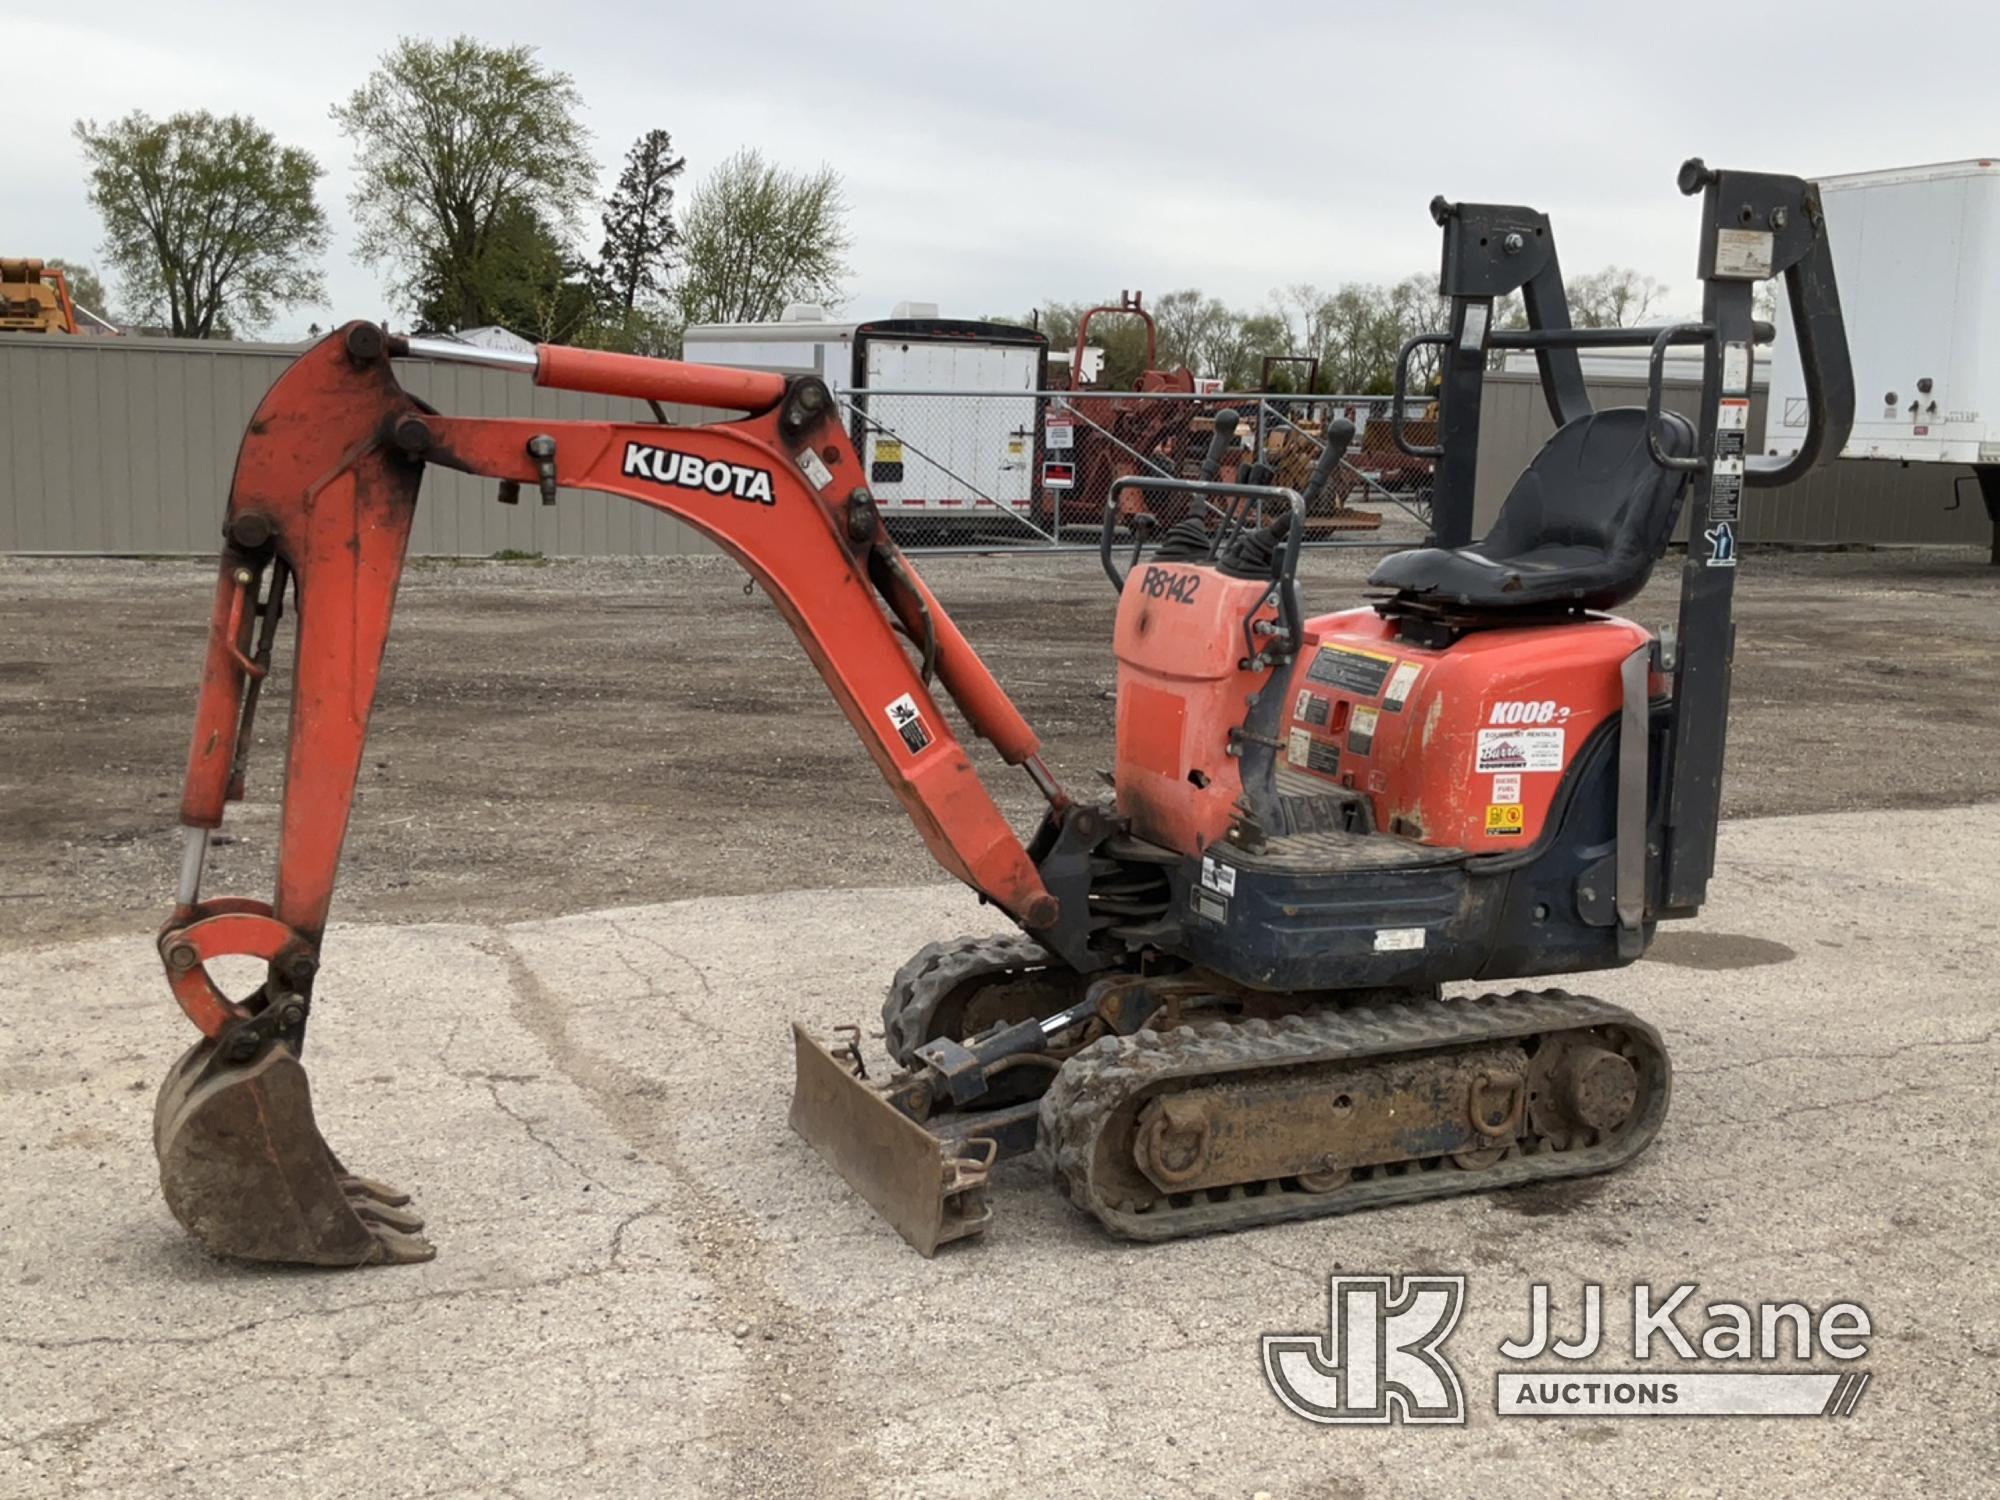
{"x":1339,"y":433}
{"x":1218,"y":445}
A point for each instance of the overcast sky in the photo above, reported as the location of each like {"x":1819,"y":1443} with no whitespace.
{"x":998,"y":156}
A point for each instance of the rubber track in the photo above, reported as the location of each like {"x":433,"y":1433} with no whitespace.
{"x":1115,"y":1071}
{"x":940,"y":968}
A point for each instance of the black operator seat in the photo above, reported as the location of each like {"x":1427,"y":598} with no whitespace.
{"x":1581,"y":528}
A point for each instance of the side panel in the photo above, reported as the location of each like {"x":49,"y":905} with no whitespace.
{"x":1547,"y":910}
{"x":1179,"y":642}
{"x":1462,"y":748}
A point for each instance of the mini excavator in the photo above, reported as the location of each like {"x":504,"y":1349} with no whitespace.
{"x":1223,"y":1003}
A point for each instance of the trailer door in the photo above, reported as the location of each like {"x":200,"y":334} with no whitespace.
{"x":951,"y":452}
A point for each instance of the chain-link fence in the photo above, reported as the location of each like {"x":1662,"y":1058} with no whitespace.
{"x":981,"y":469}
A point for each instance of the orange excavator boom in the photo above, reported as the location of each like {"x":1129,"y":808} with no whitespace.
{"x":320,"y":511}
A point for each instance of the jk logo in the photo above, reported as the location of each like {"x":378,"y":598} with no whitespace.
{"x":1379,"y":1360}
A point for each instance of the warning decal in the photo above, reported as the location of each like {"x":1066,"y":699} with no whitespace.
{"x":909,"y":722}
{"x":1505,"y":820}
{"x":1298,"y":747}
{"x":1360,"y":672}
{"x":1507,"y":788}
{"x":1397,"y":693}
{"x":1520,"y":750}
{"x":1398,"y":939}
{"x":1361,"y":730}
{"x":1218,"y":877}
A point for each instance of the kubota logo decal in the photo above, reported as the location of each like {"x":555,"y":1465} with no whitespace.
{"x":690,"y":471}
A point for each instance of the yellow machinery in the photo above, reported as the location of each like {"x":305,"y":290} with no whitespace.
{"x":34,"y":298}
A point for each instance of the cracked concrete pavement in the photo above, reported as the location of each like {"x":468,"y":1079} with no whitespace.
{"x":647,"y":1285}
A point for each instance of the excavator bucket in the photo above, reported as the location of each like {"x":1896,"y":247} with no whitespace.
{"x":245,"y":1170}
{"x":928,"y":1190}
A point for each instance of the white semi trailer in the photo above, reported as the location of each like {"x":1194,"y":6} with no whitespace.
{"x":948,"y":459}
{"x":1917,"y":254}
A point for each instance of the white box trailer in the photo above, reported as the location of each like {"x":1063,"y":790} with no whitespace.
{"x":1917,"y":254}
{"x":940,"y":457}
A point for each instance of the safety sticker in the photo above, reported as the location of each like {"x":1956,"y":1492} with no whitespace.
{"x":1298,"y":747}
{"x":1744,"y":255}
{"x":1732,"y":414}
{"x":888,"y":451}
{"x":909,"y":722}
{"x":1210,"y":907}
{"x":1505,"y":820}
{"x":1361,"y":730}
{"x":1059,"y":432}
{"x":1507,"y":788}
{"x":1725,"y":495}
{"x":1398,"y":939}
{"x":1310,"y":707}
{"x":1736,"y":368}
{"x":1324,"y":757}
{"x":1220,"y":878}
{"x":1397,"y":693}
{"x":1520,"y":750}
{"x":813,"y":468}
{"x":1721,"y":539}
{"x":1353,"y":671}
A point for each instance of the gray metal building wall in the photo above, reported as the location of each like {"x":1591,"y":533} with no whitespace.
{"x":126,"y":445}
{"x":1852,"y":501}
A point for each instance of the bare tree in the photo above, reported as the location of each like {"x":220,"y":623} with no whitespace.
{"x":211,"y":224}
{"x":757,"y":237}
{"x":1613,"y":297}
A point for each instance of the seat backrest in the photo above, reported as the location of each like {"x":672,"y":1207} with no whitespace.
{"x":1594,"y":485}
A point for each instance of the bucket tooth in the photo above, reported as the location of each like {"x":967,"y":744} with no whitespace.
{"x":245,"y":1170}
{"x":930,"y":1191}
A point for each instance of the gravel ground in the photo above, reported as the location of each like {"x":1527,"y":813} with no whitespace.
{"x":568,"y":736}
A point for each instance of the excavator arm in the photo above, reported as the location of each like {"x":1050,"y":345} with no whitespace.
{"x":320,"y":510}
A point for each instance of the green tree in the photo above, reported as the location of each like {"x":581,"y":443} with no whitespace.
{"x":639,"y":232}
{"x":757,"y":237}
{"x":527,"y":280}
{"x":210,"y":223}
{"x":455,"y":143}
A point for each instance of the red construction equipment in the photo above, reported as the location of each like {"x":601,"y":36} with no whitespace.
{"x":1222,"y":1007}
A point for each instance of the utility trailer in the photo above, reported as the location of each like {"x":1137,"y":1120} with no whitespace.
{"x":1917,"y":254}
{"x":956,"y":459}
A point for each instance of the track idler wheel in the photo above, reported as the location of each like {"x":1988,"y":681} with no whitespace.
{"x":245,"y":1170}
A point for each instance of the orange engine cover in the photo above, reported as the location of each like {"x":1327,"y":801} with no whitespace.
{"x":1181,"y":639}
{"x":1461,"y":747}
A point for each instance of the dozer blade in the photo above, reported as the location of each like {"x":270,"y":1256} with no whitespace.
{"x":246,"y":1172}
{"x":928,"y":1191}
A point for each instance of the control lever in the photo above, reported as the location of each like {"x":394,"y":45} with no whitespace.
{"x":1339,"y":433}
{"x":1226,"y":422}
